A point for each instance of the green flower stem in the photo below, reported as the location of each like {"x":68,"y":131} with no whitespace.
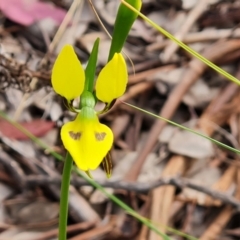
{"x":63,"y":216}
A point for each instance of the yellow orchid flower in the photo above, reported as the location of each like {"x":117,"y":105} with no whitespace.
{"x":85,"y":138}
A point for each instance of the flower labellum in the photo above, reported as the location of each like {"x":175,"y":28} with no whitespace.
{"x":87,"y":140}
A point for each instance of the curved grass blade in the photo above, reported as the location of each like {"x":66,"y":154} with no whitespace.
{"x":184,"y":46}
{"x":185,"y":128}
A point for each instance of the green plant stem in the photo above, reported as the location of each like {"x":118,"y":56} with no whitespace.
{"x":63,"y":216}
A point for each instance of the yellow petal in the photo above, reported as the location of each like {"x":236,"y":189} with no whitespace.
{"x":68,"y":75}
{"x":87,"y":140}
{"x":112,"y":80}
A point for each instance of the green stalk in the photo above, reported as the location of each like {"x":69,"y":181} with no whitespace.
{"x":123,"y":23}
{"x":63,"y":216}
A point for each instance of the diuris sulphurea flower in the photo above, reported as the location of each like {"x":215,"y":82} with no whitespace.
{"x":85,"y":138}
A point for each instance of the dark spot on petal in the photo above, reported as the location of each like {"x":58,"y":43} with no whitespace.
{"x":100,"y":136}
{"x":75,"y":135}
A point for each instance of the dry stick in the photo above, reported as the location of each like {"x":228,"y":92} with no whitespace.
{"x":210,"y":35}
{"x":143,"y":233}
{"x":219,"y":110}
{"x":190,"y":20}
{"x":134,"y":91}
{"x":142,"y":66}
{"x":222,"y":185}
{"x":213,"y":109}
{"x":218,"y":224}
{"x":141,"y":76}
{"x":207,"y":35}
{"x":14,"y":168}
{"x":96,"y":233}
{"x":237,"y":195}
{"x":163,"y":197}
{"x":196,"y":68}
{"x":58,"y":35}
{"x":83,"y":226}
{"x":229,"y":58}
{"x":42,"y":180}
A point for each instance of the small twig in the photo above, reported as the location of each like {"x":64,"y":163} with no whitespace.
{"x":203,"y":36}
{"x":36,"y":180}
{"x":14,"y":168}
{"x":70,"y":229}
